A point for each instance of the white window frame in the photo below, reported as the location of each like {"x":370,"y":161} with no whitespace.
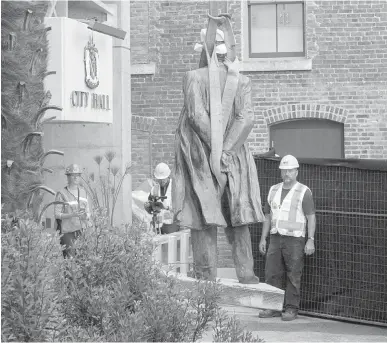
{"x":271,"y":63}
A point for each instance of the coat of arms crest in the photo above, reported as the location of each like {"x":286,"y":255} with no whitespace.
{"x":91,"y":60}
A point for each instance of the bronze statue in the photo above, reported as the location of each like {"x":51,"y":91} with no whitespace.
{"x":216,"y":181}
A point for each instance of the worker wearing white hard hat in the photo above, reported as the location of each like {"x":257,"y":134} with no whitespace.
{"x":72,"y":218}
{"x":162,"y":171}
{"x":160,"y":200}
{"x":289,"y":162}
{"x":289,"y":217}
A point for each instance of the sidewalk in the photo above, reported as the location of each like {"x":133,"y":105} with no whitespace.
{"x":303,"y":329}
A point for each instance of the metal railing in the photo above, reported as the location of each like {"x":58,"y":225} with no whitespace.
{"x":174,"y":251}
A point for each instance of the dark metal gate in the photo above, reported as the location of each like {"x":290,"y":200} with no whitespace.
{"x":347,"y":276}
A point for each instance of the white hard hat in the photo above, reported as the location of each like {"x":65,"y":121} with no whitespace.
{"x":288,"y":162}
{"x":162,"y":171}
{"x":219,"y":49}
{"x":219,"y":35}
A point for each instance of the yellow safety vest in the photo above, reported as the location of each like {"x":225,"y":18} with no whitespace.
{"x":74,"y":223}
{"x":288,"y":218}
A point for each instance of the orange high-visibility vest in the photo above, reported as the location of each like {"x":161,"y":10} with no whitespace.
{"x":288,"y":218}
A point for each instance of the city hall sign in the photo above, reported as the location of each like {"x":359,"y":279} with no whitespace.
{"x":92,"y":68}
{"x":83,"y":63}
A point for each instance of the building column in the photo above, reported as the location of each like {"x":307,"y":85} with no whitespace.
{"x":122,"y":116}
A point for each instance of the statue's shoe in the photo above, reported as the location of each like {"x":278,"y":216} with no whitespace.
{"x":252,"y":280}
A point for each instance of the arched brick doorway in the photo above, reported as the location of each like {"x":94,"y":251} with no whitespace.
{"x":319,"y":138}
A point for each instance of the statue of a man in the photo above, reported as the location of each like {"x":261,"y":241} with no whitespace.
{"x":216,"y":181}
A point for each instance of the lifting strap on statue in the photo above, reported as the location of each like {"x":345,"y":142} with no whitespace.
{"x":232,"y":63}
{"x":220,"y":107}
{"x":215,"y":115}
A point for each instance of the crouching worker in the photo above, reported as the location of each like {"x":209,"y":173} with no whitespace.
{"x":159,"y":202}
{"x":73,"y":217}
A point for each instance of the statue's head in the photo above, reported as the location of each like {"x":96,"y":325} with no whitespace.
{"x":220,"y":46}
{"x":224,"y":44}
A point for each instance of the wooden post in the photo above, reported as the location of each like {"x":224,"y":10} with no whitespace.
{"x":184,"y":252}
{"x":172,"y":252}
{"x":157,"y":253}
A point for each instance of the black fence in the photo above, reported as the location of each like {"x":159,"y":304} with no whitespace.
{"x":346,"y":278}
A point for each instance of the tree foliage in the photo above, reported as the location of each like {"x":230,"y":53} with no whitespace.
{"x":24,"y":101}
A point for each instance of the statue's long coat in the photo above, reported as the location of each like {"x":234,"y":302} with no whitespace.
{"x":197,"y":197}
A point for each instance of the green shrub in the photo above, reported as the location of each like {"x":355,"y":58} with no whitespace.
{"x":229,"y":329}
{"x":111,"y":290}
{"x":30,"y":282}
{"x":115,"y":292}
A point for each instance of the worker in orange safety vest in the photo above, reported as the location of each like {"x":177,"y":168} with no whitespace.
{"x":289,"y":215}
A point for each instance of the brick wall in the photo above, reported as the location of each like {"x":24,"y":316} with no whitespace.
{"x":346,"y":39}
{"x":141,"y":146}
{"x":139,"y":31}
{"x":348,"y":81}
{"x":173,"y":30}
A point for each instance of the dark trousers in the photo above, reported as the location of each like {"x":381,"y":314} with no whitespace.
{"x":169,"y":228}
{"x":204,"y":249}
{"x":67,"y":240}
{"x":285,"y":256}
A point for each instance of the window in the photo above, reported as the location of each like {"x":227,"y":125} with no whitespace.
{"x":276,"y":29}
{"x":313,"y":138}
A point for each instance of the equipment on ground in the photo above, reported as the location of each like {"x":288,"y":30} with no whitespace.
{"x":156,"y":206}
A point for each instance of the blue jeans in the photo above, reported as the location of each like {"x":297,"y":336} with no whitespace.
{"x":285,"y":256}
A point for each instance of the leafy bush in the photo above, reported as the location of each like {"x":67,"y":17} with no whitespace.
{"x":116,"y":293}
{"x":30,"y":282}
{"x":229,"y":329}
{"x":111,"y":290}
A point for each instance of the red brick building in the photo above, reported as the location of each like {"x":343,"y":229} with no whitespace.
{"x":318,"y":72}
{"x":307,"y":60}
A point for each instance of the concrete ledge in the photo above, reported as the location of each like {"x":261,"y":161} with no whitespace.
{"x":260,"y":295}
{"x":276,"y":64}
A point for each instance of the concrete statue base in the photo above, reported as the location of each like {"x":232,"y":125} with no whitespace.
{"x":261,"y":296}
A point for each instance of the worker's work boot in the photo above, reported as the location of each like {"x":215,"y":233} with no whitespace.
{"x":269,"y":314}
{"x":289,"y":314}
